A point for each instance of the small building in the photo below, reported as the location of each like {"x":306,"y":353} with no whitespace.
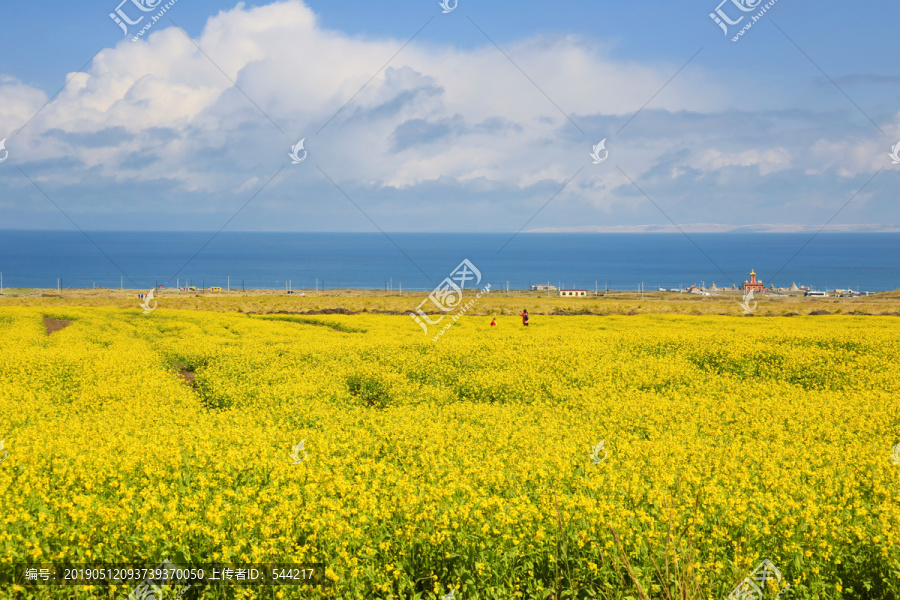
{"x":543,"y":287}
{"x":215,"y":288}
{"x":576,"y":293}
{"x":753,"y":284}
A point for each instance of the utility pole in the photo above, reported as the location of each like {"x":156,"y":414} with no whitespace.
{"x":401,"y":288}
{"x":229,"y":284}
{"x":507,"y":287}
{"x":58,"y":286}
{"x":317,"y":285}
{"x":391,"y":289}
{"x":1,"y":282}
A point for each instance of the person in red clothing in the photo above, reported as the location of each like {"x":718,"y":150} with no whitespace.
{"x":494,"y":322}
{"x":524,"y":315}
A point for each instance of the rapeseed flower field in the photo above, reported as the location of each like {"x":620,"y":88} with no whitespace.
{"x":471,"y":465}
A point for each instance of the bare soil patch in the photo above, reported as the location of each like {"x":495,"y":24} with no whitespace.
{"x":186,"y":375}
{"x":333,"y":311}
{"x":376,"y":311}
{"x":54,"y":325}
{"x":324,"y":311}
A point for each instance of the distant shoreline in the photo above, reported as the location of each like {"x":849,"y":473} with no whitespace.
{"x":334,"y":292}
{"x":258,"y":303}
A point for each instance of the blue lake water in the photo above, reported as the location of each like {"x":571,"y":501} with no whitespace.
{"x":417,"y":261}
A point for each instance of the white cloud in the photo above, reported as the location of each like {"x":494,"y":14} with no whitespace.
{"x":18,"y":102}
{"x":767,"y":161}
{"x":160,"y":112}
{"x":856,"y":156}
{"x":300,"y":74}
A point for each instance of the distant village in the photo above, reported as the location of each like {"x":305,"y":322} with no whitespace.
{"x":753,"y":284}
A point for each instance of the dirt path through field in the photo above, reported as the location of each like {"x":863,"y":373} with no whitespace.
{"x":54,"y":325}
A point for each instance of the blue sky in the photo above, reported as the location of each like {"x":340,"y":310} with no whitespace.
{"x":485,"y":121}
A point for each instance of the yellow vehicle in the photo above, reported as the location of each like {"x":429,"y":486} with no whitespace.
{"x":192,"y":288}
{"x":215,"y":288}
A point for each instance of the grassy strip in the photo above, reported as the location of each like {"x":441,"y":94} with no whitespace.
{"x":308,"y":321}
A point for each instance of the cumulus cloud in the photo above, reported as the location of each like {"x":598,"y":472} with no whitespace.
{"x":219,"y":122}
{"x":435,"y":112}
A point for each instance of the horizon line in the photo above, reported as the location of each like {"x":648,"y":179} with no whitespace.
{"x":695,"y":228}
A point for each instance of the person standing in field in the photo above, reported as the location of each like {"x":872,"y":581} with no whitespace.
{"x":494,"y":322}
{"x":524,"y":315}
